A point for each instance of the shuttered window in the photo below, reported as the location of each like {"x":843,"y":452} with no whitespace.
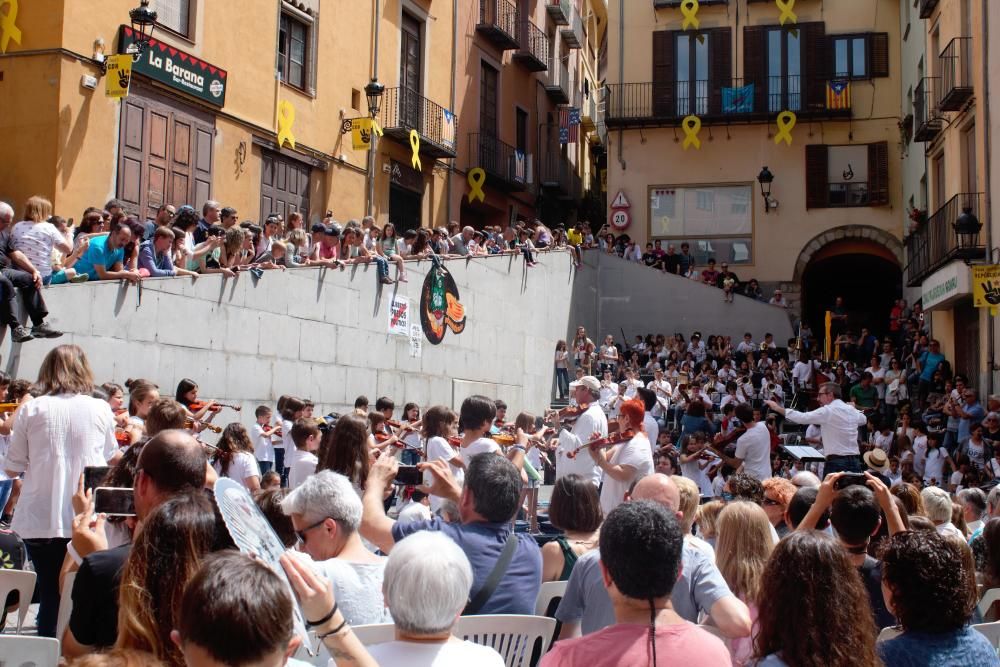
{"x":787,"y":65}
{"x":863,"y":56}
{"x":847,"y":176}
{"x":174,"y":15}
{"x":689,"y":71}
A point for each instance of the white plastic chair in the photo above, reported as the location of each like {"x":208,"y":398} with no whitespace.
{"x":512,"y":636}
{"x":376,"y":633}
{"x":550,"y":590}
{"x":22,"y":581}
{"x":889,"y":633}
{"x":991,"y":631}
{"x":989,"y":597}
{"x":28,"y":651}
{"x":65,"y":604}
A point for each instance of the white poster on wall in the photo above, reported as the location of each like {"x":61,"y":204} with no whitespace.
{"x":399,"y":316}
{"x":416,"y":340}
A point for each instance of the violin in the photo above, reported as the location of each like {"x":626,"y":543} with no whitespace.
{"x":729,"y":439}
{"x":123,"y":438}
{"x":503,"y":438}
{"x":455,"y":440}
{"x":571,"y":413}
{"x":195,"y":423}
{"x":197,"y":406}
{"x":601,"y":443}
{"x":9,"y":407}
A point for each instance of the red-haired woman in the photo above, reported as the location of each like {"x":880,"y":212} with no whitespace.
{"x":625,"y":463}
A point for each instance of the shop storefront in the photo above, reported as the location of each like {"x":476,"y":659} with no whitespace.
{"x":406,"y":197}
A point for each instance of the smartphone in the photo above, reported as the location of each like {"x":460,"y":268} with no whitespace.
{"x":93,"y":476}
{"x":409,"y":476}
{"x":114,"y":501}
{"x":851,"y":479}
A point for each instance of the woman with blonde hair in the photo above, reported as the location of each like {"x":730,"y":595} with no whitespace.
{"x":35,"y":237}
{"x":742,"y":548}
{"x":55,"y":436}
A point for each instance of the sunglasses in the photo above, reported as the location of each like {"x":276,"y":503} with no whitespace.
{"x":301,"y":534}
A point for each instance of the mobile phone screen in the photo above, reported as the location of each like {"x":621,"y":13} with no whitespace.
{"x":114,"y":501}
{"x":94,"y":476}
{"x":409,"y":476}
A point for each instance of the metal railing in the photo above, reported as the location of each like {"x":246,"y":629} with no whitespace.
{"x":534,"y":45}
{"x":500,"y":16}
{"x":956,"y":74}
{"x":720,"y":99}
{"x":558,"y":78}
{"x":935,"y":243}
{"x":405,"y":109}
{"x":559,"y":11}
{"x":927,"y":8}
{"x":926,"y":122}
{"x":572,"y":34}
{"x":558,"y":173}
{"x":499,"y":160}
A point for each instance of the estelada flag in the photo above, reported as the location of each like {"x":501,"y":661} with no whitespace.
{"x":838,"y":94}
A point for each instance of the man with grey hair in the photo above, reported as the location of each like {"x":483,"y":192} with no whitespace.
{"x":592,"y":423}
{"x":427,"y":584}
{"x":973,"y":508}
{"x":977,"y":541}
{"x":16,"y":270}
{"x":210,"y":212}
{"x":326,"y":514}
{"x":937,"y":506}
{"x":460,"y":242}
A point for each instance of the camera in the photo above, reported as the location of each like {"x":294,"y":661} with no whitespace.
{"x":851,"y":479}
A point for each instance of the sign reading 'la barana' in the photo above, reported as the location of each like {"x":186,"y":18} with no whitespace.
{"x":178,"y":69}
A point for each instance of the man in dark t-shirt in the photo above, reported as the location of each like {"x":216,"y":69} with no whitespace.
{"x":94,"y":620}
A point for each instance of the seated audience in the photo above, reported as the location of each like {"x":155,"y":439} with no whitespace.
{"x":574,"y":509}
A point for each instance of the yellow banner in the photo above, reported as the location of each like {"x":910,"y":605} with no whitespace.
{"x":118,"y":76}
{"x":986,"y":287}
{"x":827,"y":325}
{"x":361,"y":133}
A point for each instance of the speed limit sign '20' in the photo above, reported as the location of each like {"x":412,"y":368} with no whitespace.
{"x":620,"y":219}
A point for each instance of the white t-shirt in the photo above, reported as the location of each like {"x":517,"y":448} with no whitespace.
{"x":636,"y":453}
{"x":693,"y":471}
{"x":242,"y":466}
{"x":439,"y":448}
{"x":286,"y":436}
{"x":652,"y":429}
{"x":754,"y":447}
{"x":412,"y":512}
{"x":301,"y":464}
{"x":454,"y":653}
{"x":263,"y":448}
{"x":934,"y":466}
{"x":919,"y":453}
{"x":36,"y":240}
{"x":479,"y":446}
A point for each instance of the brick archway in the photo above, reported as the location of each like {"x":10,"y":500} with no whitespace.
{"x":861,"y":233}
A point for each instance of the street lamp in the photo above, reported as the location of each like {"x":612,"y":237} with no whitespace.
{"x":765,"y":178}
{"x":142,"y":17}
{"x":373,"y":91}
{"x":967,"y":228}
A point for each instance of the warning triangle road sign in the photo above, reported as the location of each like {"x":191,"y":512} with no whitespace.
{"x":621,"y":201}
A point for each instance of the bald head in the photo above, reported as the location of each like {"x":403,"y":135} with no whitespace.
{"x":171,"y":463}
{"x":658,"y":488}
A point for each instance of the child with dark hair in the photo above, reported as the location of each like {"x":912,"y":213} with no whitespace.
{"x":234,"y":457}
{"x":475,"y":420}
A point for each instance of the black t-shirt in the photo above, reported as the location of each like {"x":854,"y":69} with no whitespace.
{"x":871,"y":575}
{"x":6,"y":248}
{"x":94,"y":620}
{"x":673,"y":263}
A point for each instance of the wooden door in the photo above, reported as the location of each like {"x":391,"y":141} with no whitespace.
{"x":284,"y":186}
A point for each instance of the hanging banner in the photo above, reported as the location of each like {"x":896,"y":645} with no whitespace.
{"x":440,"y":308}
{"x":178,"y":70}
{"x":118,"y":76}
{"x":986,"y":287}
{"x":399,"y":316}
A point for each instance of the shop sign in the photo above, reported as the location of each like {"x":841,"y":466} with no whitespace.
{"x":406,"y":177}
{"x":986,"y":287}
{"x":945,"y":285}
{"x":179,"y":70}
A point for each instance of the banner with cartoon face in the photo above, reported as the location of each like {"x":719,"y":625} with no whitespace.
{"x":440,"y":308}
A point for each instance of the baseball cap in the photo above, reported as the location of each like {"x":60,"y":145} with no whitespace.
{"x":319,"y":228}
{"x":588,"y":381}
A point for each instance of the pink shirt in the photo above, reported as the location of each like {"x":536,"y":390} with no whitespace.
{"x":627,"y":645}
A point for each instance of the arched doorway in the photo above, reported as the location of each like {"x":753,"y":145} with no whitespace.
{"x":860,"y":264}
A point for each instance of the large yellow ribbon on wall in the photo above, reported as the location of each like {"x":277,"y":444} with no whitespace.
{"x":477,"y":177}
{"x":415,"y":145}
{"x":786,"y":122}
{"x":8,"y":29}
{"x":689,"y":8}
{"x":786,"y":11}
{"x":691,"y":126}
{"x":286,"y":118}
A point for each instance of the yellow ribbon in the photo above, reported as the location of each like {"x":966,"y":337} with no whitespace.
{"x":476,"y":179}
{"x":691,"y":126}
{"x":9,"y":31}
{"x":376,"y":128}
{"x":786,"y":121}
{"x":286,"y":117}
{"x":689,"y":8}
{"x":415,"y":145}
{"x":786,"y":11}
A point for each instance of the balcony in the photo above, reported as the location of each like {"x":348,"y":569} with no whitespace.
{"x":572,"y":34}
{"x":558,"y":175}
{"x":935,"y":243}
{"x":719,"y":103}
{"x":501,"y":162}
{"x":673,"y":4}
{"x":498,"y":21}
{"x":559,"y":11}
{"x":956,"y":74}
{"x":557,"y":81}
{"x":404,"y":110}
{"x":926,"y":121}
{"x":534,"y":51}
{"x":927,"y":8}
{"x":588,"y":112}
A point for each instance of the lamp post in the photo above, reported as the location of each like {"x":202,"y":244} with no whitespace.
{"x":765,"y":178}
{"x":967,"y":228}
{"x":373,"y":91}
{"x":142,"y":17}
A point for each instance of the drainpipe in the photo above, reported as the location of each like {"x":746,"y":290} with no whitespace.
{"x":454,"y":76}
{"x":621,"y":73}
{"x":990,"y":345}
{"x":373,"y":151}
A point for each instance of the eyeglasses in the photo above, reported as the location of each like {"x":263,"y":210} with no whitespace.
{"x":301,"y":534}
{"x":770,"y":502}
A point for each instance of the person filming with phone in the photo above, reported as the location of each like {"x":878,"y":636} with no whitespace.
{"x":840,"y":423}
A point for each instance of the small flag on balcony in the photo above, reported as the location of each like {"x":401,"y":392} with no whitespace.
{"x":447,"y":129}
{"x":738,"y":100}
{"x":569,"y":125}
{"x":838,"y":94}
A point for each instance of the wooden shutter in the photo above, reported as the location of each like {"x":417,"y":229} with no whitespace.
{"x":755,"y":64}
{"x":878,"y":54}
{"x":720,"y":66}
{"x":664,"y":74}
{"x":817,"y":180}
{"x":878,"y":174}
{"x":815,"y":64}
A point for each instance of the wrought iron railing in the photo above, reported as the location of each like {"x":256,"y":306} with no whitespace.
{"x":956,"y":74}
{"x":406,"y":109}
{"x":499,"y":160}
{"x":926,"y":122}
{"x":534,"y":44}
{"x":499,"y":15}
{"x":935,"y":242}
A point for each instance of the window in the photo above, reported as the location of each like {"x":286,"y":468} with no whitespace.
{"x":521,"y":127}
{"x":692,"y":74}
{"x":488,"y":83}
{"x":174,"y":15}
{"x":716,"y":221}
{"x":784,"y":70}
{"x":971,"y":169}
{"x":293,"y":41}
{"x":850,"y":55}
{"x":841,"y":176}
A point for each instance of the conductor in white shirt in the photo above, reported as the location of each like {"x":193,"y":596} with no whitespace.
{"x":590,"y":425}
{"x":840,"y":423}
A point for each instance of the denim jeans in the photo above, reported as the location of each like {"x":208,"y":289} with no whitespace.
{"x":562,"y":382}
{"x":382,"y":266}
{"x":843,"y":464}
{"x":6,"y":487}
{"x":279,"y":465}
{"x":47,"y":555}
{"x":265,"y":467}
